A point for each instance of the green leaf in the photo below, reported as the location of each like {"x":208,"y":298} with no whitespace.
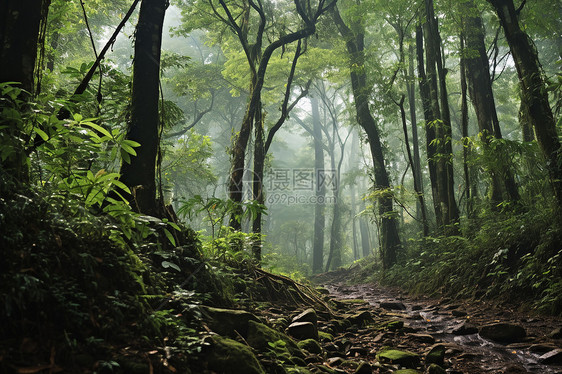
{"x":168,"y":264}
{"x":98,"y":128}
{"x":41,"y":133}
{"x":170,"y":237}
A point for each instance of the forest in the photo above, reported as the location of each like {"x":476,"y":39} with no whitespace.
{"x":280,"y":186}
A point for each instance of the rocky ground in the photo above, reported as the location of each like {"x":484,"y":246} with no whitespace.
{"x":370,"y":329}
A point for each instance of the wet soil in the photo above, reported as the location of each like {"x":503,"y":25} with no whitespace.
{"x":429,"y":321}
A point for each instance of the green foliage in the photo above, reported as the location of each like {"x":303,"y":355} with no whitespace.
{"x":516,"y":257}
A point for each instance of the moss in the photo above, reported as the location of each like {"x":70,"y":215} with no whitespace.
{"x":395,"y":356}
{"x":324,"y":336}
{"x":310,"y":345}
{"x":230,"y":357}
{"x":260,"y":335}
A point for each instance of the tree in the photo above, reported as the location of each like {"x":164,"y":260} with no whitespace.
{"x":354,"y":40}
{"x":475,"y":61}
{"x":433,"y":91}
{"x":534,"y":94}
{"x":19,"y":32}
{"x":140,"y":173}
{"x":258,"y":61}
{"x":320,"y":191}
{"x":20,"y":23}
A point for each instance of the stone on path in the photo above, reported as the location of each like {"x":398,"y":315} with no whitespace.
{"x":394,"y":356}
{"x":556,"y":333}
{"x":503,"y":332}
{"x":392,"y":305}
{"x":436,"y":355}
{"x":228,"y":321}
{"x":309,"y":315}
{"x":553,"y":357}
{"x":303,"y":330}
{"x":230,"y":357}
{"x":422,"y":338}
{"x":435,"y":369}
{"x":364,"y":368}
{"x":465,"y":329}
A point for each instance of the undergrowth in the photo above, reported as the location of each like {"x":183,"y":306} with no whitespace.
{"x":505,"y":256}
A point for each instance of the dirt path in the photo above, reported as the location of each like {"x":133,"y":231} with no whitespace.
{"x":455,"y":325}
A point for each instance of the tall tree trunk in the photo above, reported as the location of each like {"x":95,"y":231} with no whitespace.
{"x":336,"y":242}
{"x":533,"y":88}
{"x":259,"y":163}
{"x":139,"y":174}
{"x":19,"y":32}
{"x":415,"y":140}
{"x":417,"y":187}
{"x":464,"y":131}
{"x":320,"y":192}
{"x":438,"y":128}
{"x":389,"y":238}
{"x":20,"y":22}
{"x":482,"y":96}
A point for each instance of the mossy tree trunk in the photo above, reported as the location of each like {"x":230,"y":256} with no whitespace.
{"x":534,"y":95}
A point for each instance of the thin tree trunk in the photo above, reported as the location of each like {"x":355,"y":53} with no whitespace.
{"x":413,"y":122}
{"x":139,"y":174}
{"x":417,"y":187}
{"x":464,"y":130}
{"x":533,"y":88}
{"x":320,"y":191}
{"x":259,"y":163}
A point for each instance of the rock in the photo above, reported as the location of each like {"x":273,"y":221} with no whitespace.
{"x":357,"y":351}
{"x":298,"y":361}
{"x":503,"y":332}
{"x":514,"y":369}
{"x":542,"y":348}
{"x":436,"y":355}
{"x":230,"y":357}
{"x":322,"y":291}
{"x":339,"y":325}
{"x":260,"y":335}
{"x":361,"y":318}
{"x":435,"y":369}
{"x":465,"y":329}
{"x":553,"y":357}
{"x":325,"y":337}
{"x":363,"y":368}
{"x":458,"y":313}
{"x":228,"y":321}
{"x":394,"y":356}
{"x":423,"y":338}
{"x":335,"y":361}
{"x":310,"y":345}
{"x":303,"y":330}
{"x":556,"y":334}
{"x":395,"y":325}
{"x":309,"y":315}
{"x":392,"y":305}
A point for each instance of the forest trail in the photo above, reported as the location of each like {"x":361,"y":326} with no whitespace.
{"x":424,"y":324}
